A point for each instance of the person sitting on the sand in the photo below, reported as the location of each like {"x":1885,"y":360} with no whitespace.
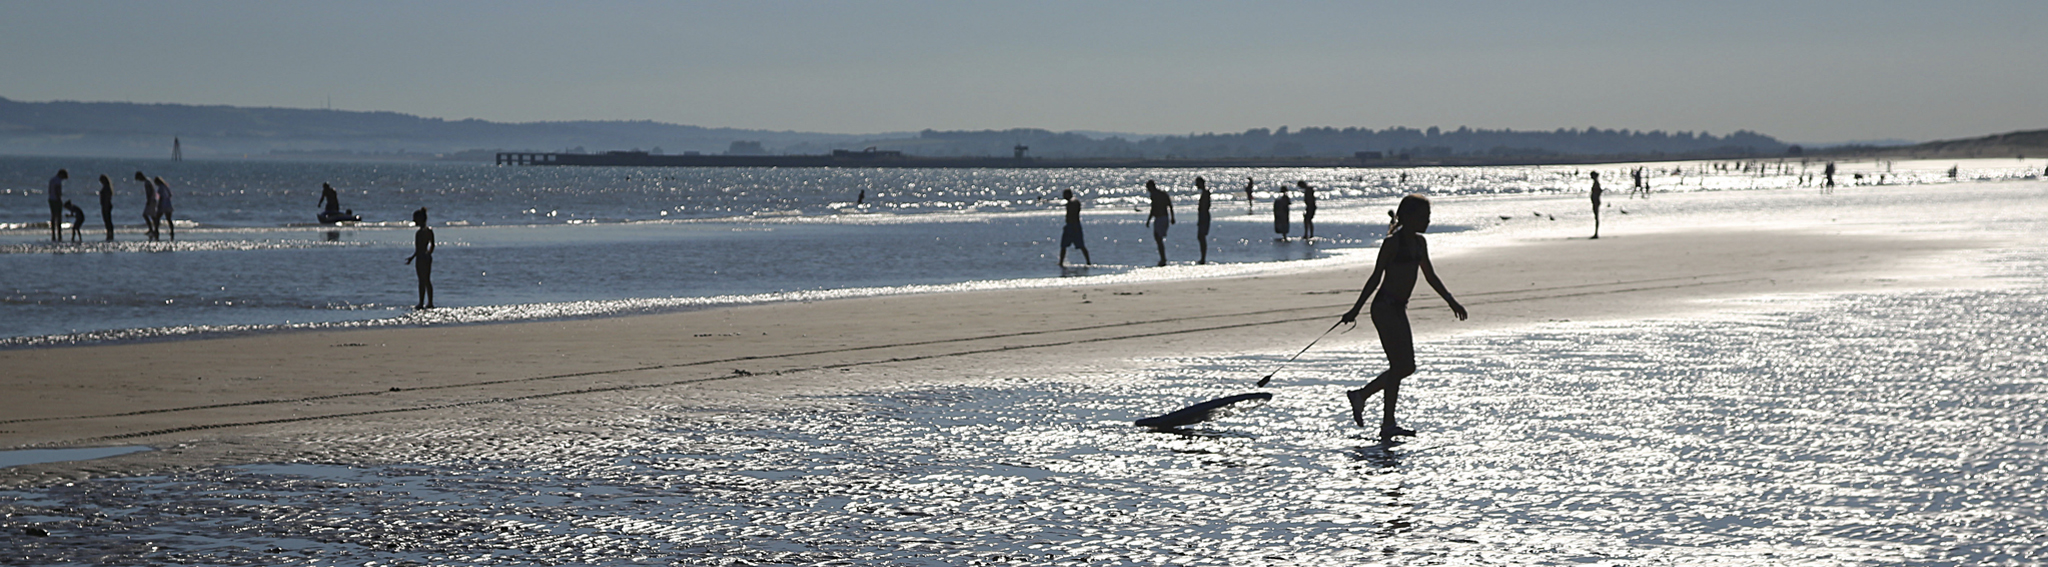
{"x":1402,"y":254}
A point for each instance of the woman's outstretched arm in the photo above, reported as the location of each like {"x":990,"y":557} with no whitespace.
{"x":1429,"y":273}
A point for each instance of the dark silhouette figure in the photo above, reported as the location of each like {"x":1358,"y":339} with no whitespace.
{"x":1402,"y":254}
{"x":1308,"y":210}
{"x":148,"y":204}
{"x":77,"y":218}
{"x":163,"y":207}
{"x":107,"y":205}
{"x":422,"y":259}
{"x":330,"y":201}
{"x":1828,"y":173}
{"x":1281,"y":224}
{"x":1596,"y":205}
{"x":1248,"y":201}
{"x":1202,"y":219}
{"x":1162,"y":211}
{"x":55,"y":193}
{"x":1071,"y":234}
{"x":862,"y":199}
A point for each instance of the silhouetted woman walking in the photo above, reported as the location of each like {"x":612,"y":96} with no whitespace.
{"x":1402,"y":254}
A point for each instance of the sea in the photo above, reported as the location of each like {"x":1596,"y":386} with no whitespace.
{"x":1905,"y":424}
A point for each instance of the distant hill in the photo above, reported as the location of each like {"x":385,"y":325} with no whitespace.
{"x":2010,"y":144}
{"x":118,"y":129}
{"x":145,"y":130}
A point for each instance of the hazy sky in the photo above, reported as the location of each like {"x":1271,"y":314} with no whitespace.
{"x":1817,"y":71}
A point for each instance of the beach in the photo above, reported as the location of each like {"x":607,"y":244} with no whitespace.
{"x":660,"y":425}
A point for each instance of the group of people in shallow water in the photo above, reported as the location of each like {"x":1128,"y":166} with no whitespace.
{"x":156,"y":216}
{"x":1403,"y":260}
{"x":156,"y":206}
{"x":1160,"y":216}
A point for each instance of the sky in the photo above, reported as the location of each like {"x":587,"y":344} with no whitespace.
{"x":1805,"y":72}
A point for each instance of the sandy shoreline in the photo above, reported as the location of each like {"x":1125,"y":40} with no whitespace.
{"x":260,"y":398}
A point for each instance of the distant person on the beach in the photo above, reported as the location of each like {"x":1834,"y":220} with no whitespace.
{"x":1596,"y":205}
{"x":862,"y":199}
{"x":1071,"y":234}
{"x":1202,"y":218}
{"x":422,"y":259}
{"x":1248,"y":202}
{"x":163,"y":207}
{"x":1281,"y":224}
{"x":55,"y":193}
{"x":1402,"y":254}
{"x":1828,"y":173}
{"x":77,"y":218}
{"x":1308,"y":210}
{"x":1162,"y":211}
{"x":330,"y":201}
{"x":148,"y":204}
{"x":107,"y":205}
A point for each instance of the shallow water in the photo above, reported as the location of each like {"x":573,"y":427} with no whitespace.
{"x":1880,"y":429}
{"x":523,"y":243}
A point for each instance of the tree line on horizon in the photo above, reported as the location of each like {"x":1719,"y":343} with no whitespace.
{"x":1327,"y":142}
{"x":132,"y":129}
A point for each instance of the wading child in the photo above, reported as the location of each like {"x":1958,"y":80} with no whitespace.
{"x":1402,"y":254}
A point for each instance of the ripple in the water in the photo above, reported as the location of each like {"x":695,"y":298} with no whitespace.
{"x":1874,"y":429}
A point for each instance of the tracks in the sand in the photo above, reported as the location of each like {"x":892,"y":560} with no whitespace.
{"x":463,"y":394}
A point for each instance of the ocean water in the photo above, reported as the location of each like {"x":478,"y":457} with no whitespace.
{"x":522,"y":243}
{"x":1897,"y":427}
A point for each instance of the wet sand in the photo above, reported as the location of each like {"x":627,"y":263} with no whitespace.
{"x":273,"y":397}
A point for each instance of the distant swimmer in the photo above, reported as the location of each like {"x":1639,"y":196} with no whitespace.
{"x":55,"y":194}
{"x":1202,"y":219}
{"x":1308,"y":210}
{"x":1596,"y":205}
{"x":1248,"y":201}
{"x":107,"y":205}
{"x":1071,"y":234}
{"x":77,"y":218}
{"x":422,"y":259}
{"x":1402,"y":254}
{"x":163,"y":207}
{"x":1281,"y":224}
{"x":148,"y":204}
{"x":1162,"y":211}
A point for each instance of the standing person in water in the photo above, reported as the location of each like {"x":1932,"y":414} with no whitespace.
{"x":1596,"y":205}
{"x":1202,"y":218}
{"x":107,"y":205}
{"x":422,"y":259}
{"x":148,"y":204}
{"x":55,"y":193}
{"x":330,"y":201}
{"x":77,"y":218}
{"x":1248,"y":202}
{"x":1281,"y":224}
{"x":1162,"y":211}
{"x":1308,"y":210}
{"x":163,"y":207}
{"x":1071,"y":234}
{"x":1402,"y":254}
